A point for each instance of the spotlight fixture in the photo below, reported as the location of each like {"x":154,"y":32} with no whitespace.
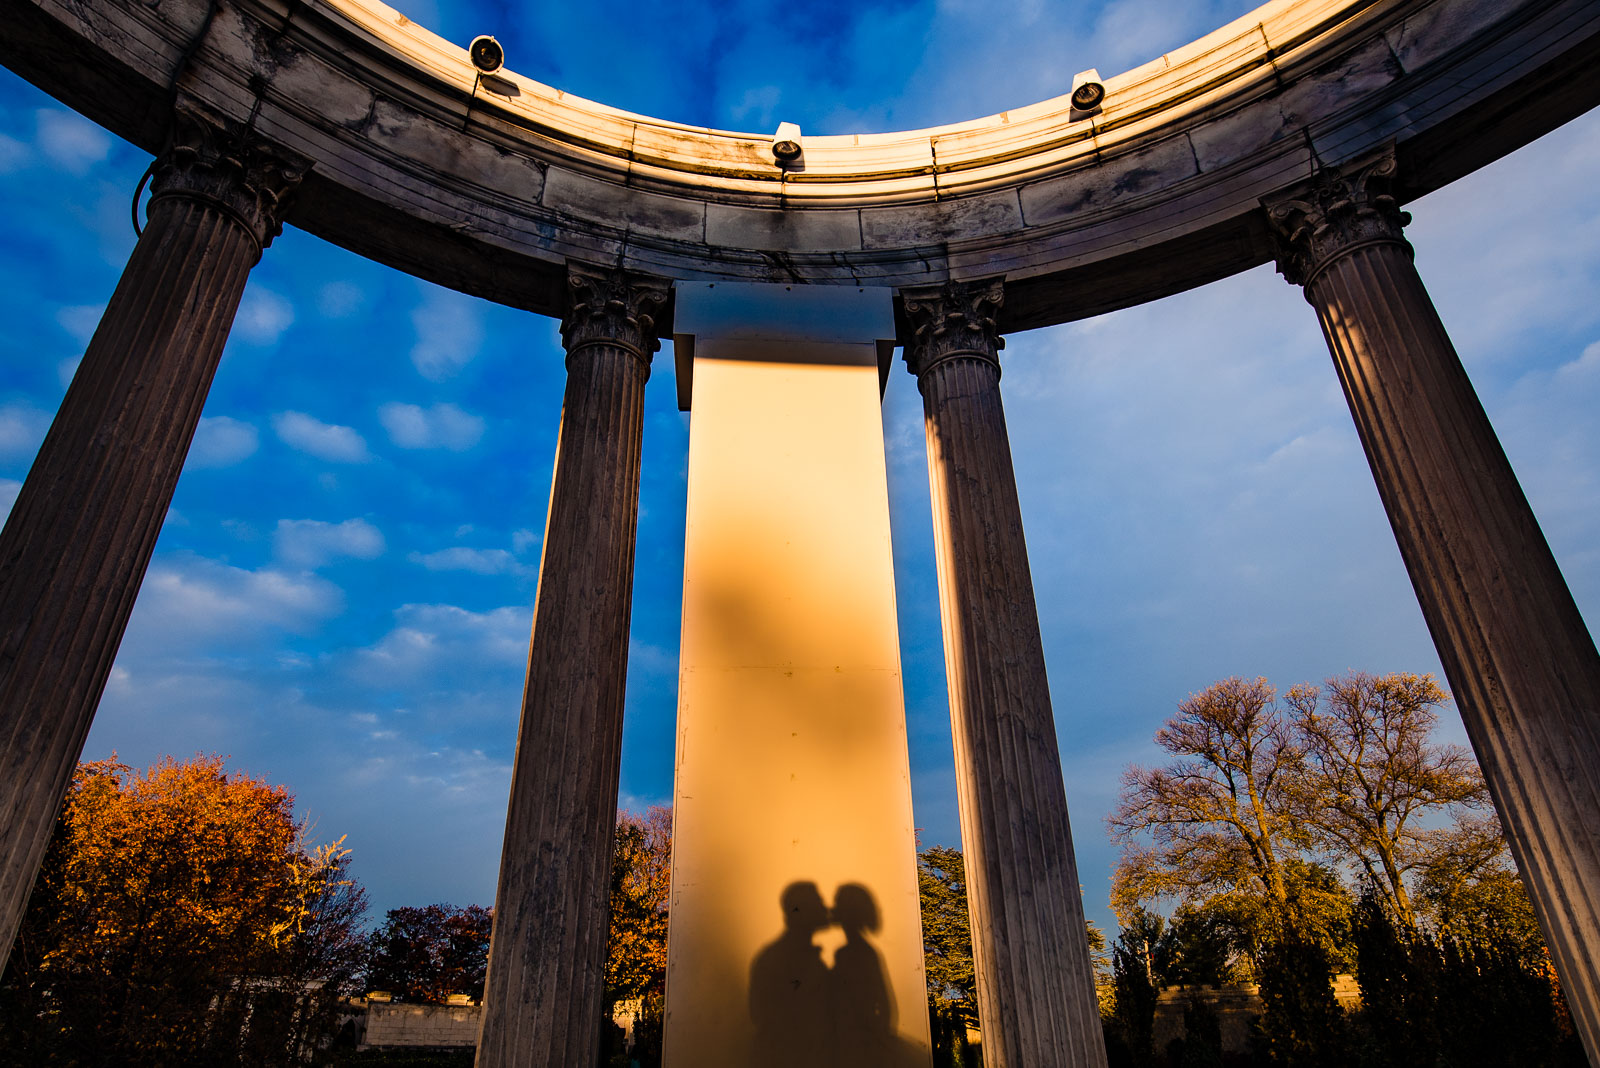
{"x":786,"y":142}
{"x":486,"y":53}
{"x":1087,"y":91}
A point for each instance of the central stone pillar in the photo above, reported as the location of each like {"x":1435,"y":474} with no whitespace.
{"x":1030,"y":948}
{"x":795,"y":937}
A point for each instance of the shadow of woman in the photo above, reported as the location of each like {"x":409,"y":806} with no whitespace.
{"x":861,"y":1002}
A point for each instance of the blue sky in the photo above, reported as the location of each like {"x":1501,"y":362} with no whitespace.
{"x":341,"y":595}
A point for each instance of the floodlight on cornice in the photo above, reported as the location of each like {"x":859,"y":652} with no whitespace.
{"x":1088,"y":91}
{"x":786,"y":142}
{"x":486,"y":53}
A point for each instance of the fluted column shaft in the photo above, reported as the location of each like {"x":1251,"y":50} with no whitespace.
{"x":80,"y":535}
{"x":1518,"y":657}
{"x":546,"y":984}
{"x":1036,"y":998}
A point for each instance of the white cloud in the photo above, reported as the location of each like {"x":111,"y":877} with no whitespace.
{"x":9,"y":488}
{"x":310,"y":543}
{"x":443,"y":426}
{"x":449,"y":328}
{"x":199,"y":601}
{"x":326,"y":441}
{"x":263,"y":316}
{"x":523,"y":540}
{"x":80,"y":320}
{"x":67,"y":368}
{"x":428,"y":636}
{"x":461,"y":558}
{"x":340,"y":300}
{"x":221,"y":441}
{"x":1587,"y":362}
{"x":71,"y":141}
{"x":21,"y":429}
{"x":13,"y":154}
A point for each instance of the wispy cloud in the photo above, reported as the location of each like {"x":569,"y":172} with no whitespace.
{"x":326,"y":441}
{"x":310,"y":543}
{"x":341,"y":300}
{"x":449,"y":328}
{"x":14,"y":155}
{"x":22,"y":428}
{"x":263,"y":316}
{"x":222,"y":441}
{"x":462,"y":558}
{"x":427,"y":637}
{"x":442,"y":426}
{"x":71,"y":141}
{"x":80,"y":321}
{"x":198,"y":602}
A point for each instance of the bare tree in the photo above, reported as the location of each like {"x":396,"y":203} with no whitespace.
{"x":1217,"y":818}
{"x":1370,"y":779}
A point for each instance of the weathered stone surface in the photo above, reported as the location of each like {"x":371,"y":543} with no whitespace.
{"x":1520,"y":662}
{"x":79,"y":538}
{"x":1036,"y":998}
{"x":782,"y":231}
{"x":544,"y":997}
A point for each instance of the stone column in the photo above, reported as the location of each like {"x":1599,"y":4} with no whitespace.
{"x":545,"y":992}
{"x":1515,"y":649}
{"x":79,"y":538}
{"x":1036,"y":998}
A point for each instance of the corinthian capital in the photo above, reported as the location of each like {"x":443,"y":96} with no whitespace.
{"x":955,"y":319}
{"x":225,"y":164}
{"x":1342,"y":210}
{"x":612,"y":307}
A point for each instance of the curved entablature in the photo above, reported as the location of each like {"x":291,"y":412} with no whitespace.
{"x":492,"y":184}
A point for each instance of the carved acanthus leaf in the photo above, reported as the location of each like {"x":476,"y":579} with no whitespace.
{"x":1340,"y":211}
{"x":613,"y":307}
{"x":955,"y":319}
{"x":226,"y":164}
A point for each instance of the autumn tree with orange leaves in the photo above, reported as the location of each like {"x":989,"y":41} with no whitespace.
{"x":182,"y":917}
{"x":641,"y":873}
{"x":636,"y":954}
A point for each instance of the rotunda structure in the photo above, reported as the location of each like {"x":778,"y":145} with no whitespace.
{"x":788,"y":270}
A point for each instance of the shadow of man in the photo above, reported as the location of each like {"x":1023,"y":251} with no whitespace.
{"x":789,"y":986}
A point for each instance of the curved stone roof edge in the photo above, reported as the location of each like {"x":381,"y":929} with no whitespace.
{"x":491,"y":190}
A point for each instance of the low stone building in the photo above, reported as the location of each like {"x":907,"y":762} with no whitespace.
{"x":396,"y":1025}
{"x":1236,"y":1005}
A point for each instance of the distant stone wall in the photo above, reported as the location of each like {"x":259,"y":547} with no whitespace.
{"x":1236,"y":1005}
{"x":391,"y":1025}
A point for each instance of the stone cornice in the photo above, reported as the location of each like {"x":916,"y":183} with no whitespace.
{"x":613,"y":307}
{"x":1343,"y":210}
{"x":491,"y":186}
{"x":955,"y":320}
{"x":226,"y":165}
